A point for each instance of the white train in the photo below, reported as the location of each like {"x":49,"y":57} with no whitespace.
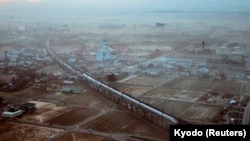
{"x":128,"y":98}
{"x":98,"y":84}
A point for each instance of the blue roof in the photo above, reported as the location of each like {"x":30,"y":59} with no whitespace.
{"x":105,"y":48}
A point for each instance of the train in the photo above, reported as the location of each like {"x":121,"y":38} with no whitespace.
{"x":121,"y":95}
{"x":101,"y":85}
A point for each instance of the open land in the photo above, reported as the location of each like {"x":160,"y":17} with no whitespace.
{"x":20,"y":132}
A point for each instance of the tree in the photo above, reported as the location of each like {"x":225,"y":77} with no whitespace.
{"x":111,"y":77}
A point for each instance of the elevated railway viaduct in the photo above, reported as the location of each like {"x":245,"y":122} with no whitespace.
{"x":136,"y":106}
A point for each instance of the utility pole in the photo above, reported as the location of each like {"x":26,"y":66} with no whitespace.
{"x":203,"y":45}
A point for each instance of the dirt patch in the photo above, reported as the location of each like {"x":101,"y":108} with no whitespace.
{"x":67,"y":119}
{"x":161,"y":93}
{"x":187,"y":95}
{"x":89,"y":99}
{"x":45,"y":112}
{"x":228,"y":87}
{"x":146,"y":80}
{"x":58,"y":96}
{"x":172,"y":107}
{"x":29,"y":93}
{"x":55,"y":70}
{"x":202,"y":113}
{"x":76,"y":136}
{"x":246,"y":89}
{"x":201,"y":85}
{"x":6,"y":77}
{"x":20,"y":132}
{"x":135,"y":90}
{"x":121,"y":122}
{"x":40,"y":104}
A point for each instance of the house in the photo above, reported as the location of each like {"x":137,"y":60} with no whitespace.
{"x":203,"y":73}
{"x":104,"y":54}
{"x":232,"y":102}
{"x":52,"y":87}
{"x":130,"y":69}
{"x":72,"y":59}
{"x":68,"y":82}
{"x":29,"y":107}
{"x":70,"y":89}
{"x":66,"y":89}
{"x":154,"y":71}
{"x":12,"y":114}
{"x":161,"y":25}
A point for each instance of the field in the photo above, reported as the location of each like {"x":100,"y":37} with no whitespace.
{"x":228,"y":87}
{"x":29,"y":93}
{"x":134,"y":90}
{"x":192,"y":84}
{"x":124,"y":123}
{"x":59,"y":96}
{"x":202,"y":114}
{"x":206,"y":85}
{"x":246,"y":89}
{"x":146,"y":80}
{"x":187,"y":95}
{"x":10,"y":131}
{"x":191,"y":112}
{"x":139,"y":85}
{"x":73,"y":116}
{"x":22,"y":95}
{"x":55,"y":70}
{"x":77,"y":136}
{"x":162,"y":93}
{"x":45,"y":111}
{"x":169,"y":106}
{"x":205,"y":99}
{"x":89,"y":99}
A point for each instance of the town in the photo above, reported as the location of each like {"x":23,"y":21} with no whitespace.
{"x":196,"y":72}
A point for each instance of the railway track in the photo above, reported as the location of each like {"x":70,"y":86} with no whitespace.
{"x":115,"y":94}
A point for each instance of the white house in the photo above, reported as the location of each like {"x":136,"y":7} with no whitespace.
{"x":104,"y":54}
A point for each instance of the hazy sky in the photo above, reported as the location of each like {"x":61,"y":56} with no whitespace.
{"x":123,"y":5}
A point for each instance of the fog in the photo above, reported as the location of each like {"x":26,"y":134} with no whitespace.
{"x":121,"y":5}
{"x":182,"y":57}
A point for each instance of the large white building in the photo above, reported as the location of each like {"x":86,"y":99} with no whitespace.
{"x":104,"y":54}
